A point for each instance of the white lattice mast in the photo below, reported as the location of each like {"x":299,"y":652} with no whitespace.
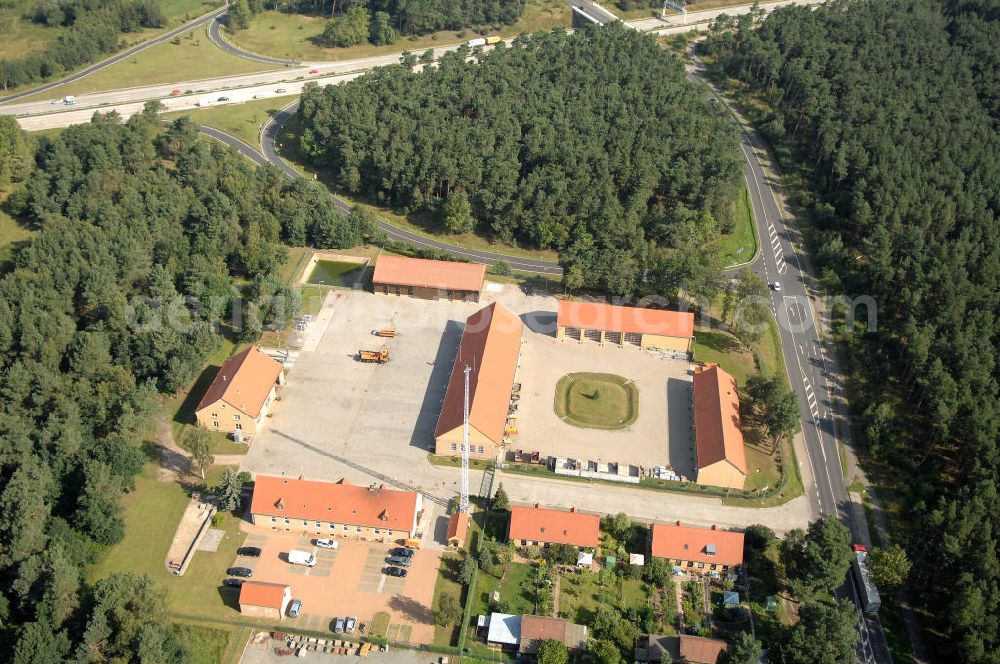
{"x":463,"y":505}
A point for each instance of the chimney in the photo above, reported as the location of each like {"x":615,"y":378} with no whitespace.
{"x":537,"y":506}
{"x":678,"y":522}
{"x":572,"y":510}
{"x":713,"y":526}
{"x":301,"y":477}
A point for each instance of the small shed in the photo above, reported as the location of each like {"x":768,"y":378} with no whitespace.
{"x":730,"y":599}
{"x":264,"y":600}
{"x":636,"y":559}
{"x":584,"y":559}
{"x":504,"y":629}
{"x":458,"y":529}
{"x":611,"y":562}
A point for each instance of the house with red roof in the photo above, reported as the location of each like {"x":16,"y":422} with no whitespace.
{"x":697,"y":550}
{"x":625,"y":326}
{"x":241,"y":393}
{"x":335,"y":509}
{"x":539,"y":526}
{"x":718,"y":440}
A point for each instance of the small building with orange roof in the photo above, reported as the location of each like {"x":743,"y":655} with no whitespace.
{"x":264,"y":600}
{"x":699,"y":550}
{"x":241,"y":393}
{"x":458,"y":529}
{"x":491,"y":348}
{"x":428,"y":279}
{"x":719,"y":452}
{"x":625,"y":326}
{"x":539,"y":526}
{"x":335,"y":509}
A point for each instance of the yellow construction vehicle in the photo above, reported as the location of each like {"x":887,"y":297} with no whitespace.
{"x":379,"y":356}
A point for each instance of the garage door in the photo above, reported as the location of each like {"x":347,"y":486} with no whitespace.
{"x":593,"y":335}
{"x":633,"y":338}
{"x":614,"y":337}
{"x":573,"y":333}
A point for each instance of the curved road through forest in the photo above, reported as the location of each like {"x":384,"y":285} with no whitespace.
{"x":212,"y":16}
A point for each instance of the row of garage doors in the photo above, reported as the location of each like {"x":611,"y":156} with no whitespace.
{"x":631,"y":338}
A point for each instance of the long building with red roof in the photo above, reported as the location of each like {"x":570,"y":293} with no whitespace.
{"x":700,"y":550}
{"x":335,"y":509}
{"x":428,"y":279}
{"x":718,"y":440}
{"x":539,"y":526}
{"x":625,"y":326}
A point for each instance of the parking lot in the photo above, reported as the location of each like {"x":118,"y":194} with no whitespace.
{"x":661,"y":435}
{"x":339,"y":417}
{"x":348,"y":582}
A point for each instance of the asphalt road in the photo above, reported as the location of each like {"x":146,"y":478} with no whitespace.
{"x":215,"y":34}
{"x":268,"y":136}
{"x":127,"y":53}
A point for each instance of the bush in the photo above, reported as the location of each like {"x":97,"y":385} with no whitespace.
{"x":218,"y":520}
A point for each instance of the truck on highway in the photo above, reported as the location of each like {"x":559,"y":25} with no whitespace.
{"x":70,"y":100}
{"x":493,"y":40}
{"x":479,"y":41}
{"x":867,"y":592}
{"x":206,"y":101}
{"x":297,"y":557}
{"x":380,"y":356}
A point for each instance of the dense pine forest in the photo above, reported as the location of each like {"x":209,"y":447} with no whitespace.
{"x":145,"y":238}
{"x":593,"y":144}
{"x":892,"y":109}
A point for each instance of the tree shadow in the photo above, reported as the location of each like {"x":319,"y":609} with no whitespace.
{"x":185,"y":414}
{"x":412,"y":609}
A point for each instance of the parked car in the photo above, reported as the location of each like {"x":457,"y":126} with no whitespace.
{"x":251,"y":551}
{"x":175,"y":91}
{"x":351,"y":625}
{"x":776,"y":286}
{"x":245,"y":572}
{"x":280,"y":90}
{"x":223,"y":98}
{"x":294,"y":608}
{"x":232,"y":583}
{"x":394,"y":571}
{"x":399,"y":560}
{"x":338,"y":626}
{"x":327,"y":544}
{"x":401,"y":551}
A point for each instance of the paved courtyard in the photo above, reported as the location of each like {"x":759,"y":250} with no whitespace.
{"x":348,"y":582}
{"x":661,"y":435}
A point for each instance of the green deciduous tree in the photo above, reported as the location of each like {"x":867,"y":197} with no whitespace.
{"x":742,"y":649}
{"x":467,"y":571}
{"x":347,"y":30}
{"x":449,"y":611}
{"x":817,"y":561}
{"x":604,"y":651}
{"x":198,"y":442}
{"x":381,"y":31}
{"x":456,"y":213}
{"x":551,"y":651}
{"x":824,"y":634}
{"x":889,"y":567}
{"x":17,"y":152}
{"x":240,"y":15}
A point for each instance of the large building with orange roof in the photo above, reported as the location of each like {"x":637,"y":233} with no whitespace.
{"x":335,"y":509}
{"x":539,"y":526}
{"x":241,"y":393}
{"x":699,"y":550}
{"x":719,"y":453}
{"x":625,"y":326}
{"x":428,"y":279}
{"x":491,"y":348}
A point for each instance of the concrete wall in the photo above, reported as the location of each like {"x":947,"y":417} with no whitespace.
{"x":721,"y":473}
{"x":266,"y":612}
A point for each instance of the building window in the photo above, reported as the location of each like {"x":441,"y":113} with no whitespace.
{"x":215,"y":424}
{"x":454,"y":447}
{"x":409,"y":291}
{"x":345,"y":527}
{"x":215,"y":414}
{"x":378,"y":532}
{"x":319,"y":525}
{"x":357,"y":529}
{"x":332,"y":526}
{"x":463,"y":447}
{"x":236,"y":417}
{"x":273,"y":520}
{"x":239,"y":427}
{"x":286,"y":519}
{"x":480,"y":449}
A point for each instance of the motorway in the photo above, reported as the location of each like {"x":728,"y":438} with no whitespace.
{"x":213,"y":16}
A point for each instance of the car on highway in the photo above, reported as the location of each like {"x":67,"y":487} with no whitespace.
{"x":251,"y":551}
{"x":350,"y":625}
{"x":313,"y":71}
{"x":280,"y":90}
{"x":232,"y":583}
{"x":776,"y":286}
{"x":175,"y":91}
{"x":402,"y":561}
{"x":258,"y":96}
{"x":223,"y":98}
{"x":338,"y":626}
{"x":394,"y":571}
{"x":245,"y":572}
{"x":327,"y":544}
{"x":401,"y":551}
{"x":294,"y":608}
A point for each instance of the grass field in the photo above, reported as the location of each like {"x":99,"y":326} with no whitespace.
{"x":295,"y":36}
{"x":447,"y":584}
{"x":11,"y":232}
{"x":725,"y":350}
{"x":581,"y":594}
{"x":207,"y":645}
{"x":194,"y":58}
{"x":514,"y":583}
{"x":240,"y":120}
{"x":596,"y":401}
{"x":740,"y":245}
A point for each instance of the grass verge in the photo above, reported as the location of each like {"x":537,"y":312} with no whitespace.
{"x":297,"y":36}
{"x":447,"y":584}
{"x":207,"y":645}
{"x":243,"y":121}
{"x":740,"y":246}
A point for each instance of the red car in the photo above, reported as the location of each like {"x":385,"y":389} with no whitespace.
{"x":313,"y":71}
{"x":175,"y":91}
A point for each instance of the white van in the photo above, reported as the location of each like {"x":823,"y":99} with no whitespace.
{"x":296,"y":557}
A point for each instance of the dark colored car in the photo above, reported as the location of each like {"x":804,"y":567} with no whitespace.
{"x":252,"y":551}
{"x":223,"y":98}
{"x":400,"y":551}
{"x":245,"y":572}
{"x":394,"y":571}
{"x":233,"y":583}
{"x":399,"y":560}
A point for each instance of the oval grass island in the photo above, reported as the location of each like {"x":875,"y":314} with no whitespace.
{"x":596,"y":401}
